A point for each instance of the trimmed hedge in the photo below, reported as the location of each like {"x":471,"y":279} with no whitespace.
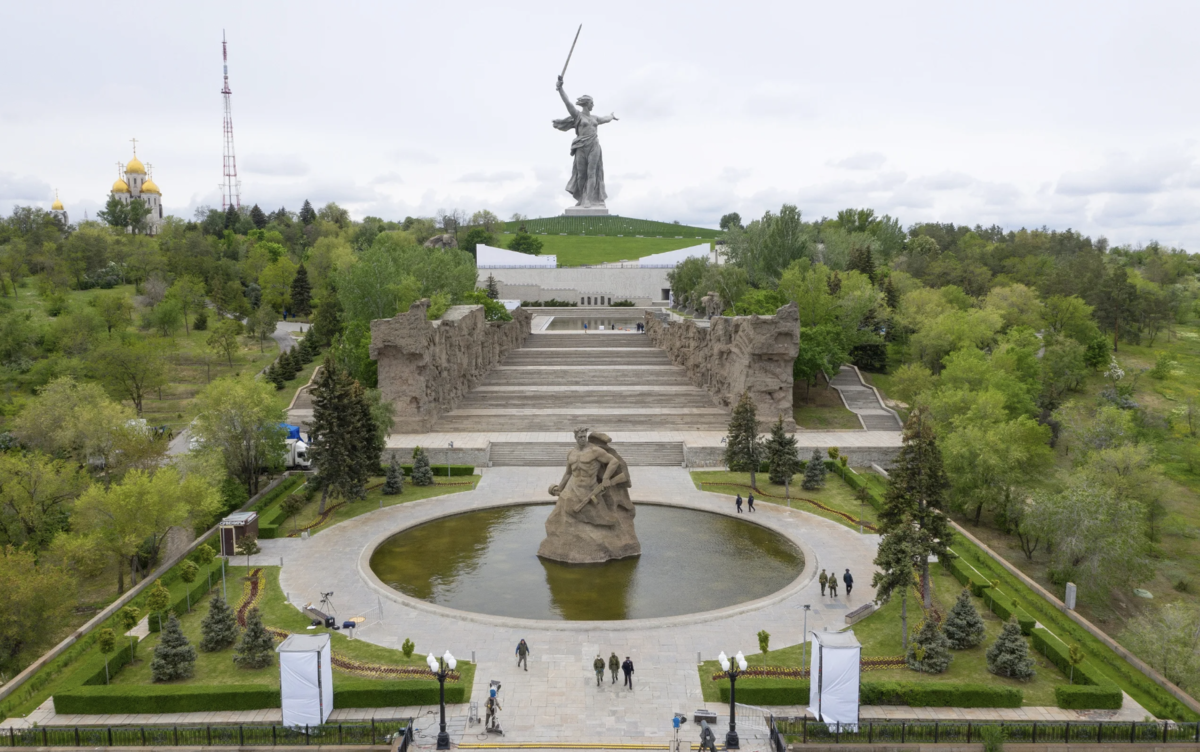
{"x":270,"y":515}
{"x":455,"y":470}
{"x":913,"y":694}
{"x":966,"y":575}
{"x":856,"y":482}
{"x":1084,"y":697}
{"x":1058,"y":653}
{"x":1003,"y":606}
{"x":199,"y":589}
{"x":166,"y":698}
{"x":395,"y":694}
{"x":91,"y":671}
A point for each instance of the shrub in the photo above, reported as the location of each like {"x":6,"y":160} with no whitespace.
{"x":1004,"y":607}
{"x":219,"y":627}
{"x":622,"y":304}
{"x":394,"y":694}
{"x":200,"y":323}
{"x":965,"y":574}
{"x":929,"y":653}
{"x":993,"y":737}
{"x":256,"y":648}
{"x":764,"y":640}
{"x":407,"y":648}
{"x":174,"y":656}
{"x":1087,"y":697}
{"x":394,"y":484}
{"x":1009,"y":655}
{"x":814,"y":473}
{"x":180,"y":698}
{"x":964,"y":626}
{"x":421,"y":474}
{"x":915,"y":694}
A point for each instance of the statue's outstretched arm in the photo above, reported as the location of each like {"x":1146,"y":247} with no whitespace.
{"x":566,"y":100}
{"x":606,"y":119}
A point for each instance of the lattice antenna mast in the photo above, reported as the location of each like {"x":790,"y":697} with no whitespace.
{"x":231,"y":189}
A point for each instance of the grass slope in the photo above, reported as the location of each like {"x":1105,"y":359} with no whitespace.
{"x":835,"y":495}
{"x":610,"y":225}
{"x":821,"y":407}
{"x":576,"y":250}
{"x":374,"y":499}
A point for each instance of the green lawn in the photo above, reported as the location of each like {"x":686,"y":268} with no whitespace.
{"x":821,"y":407}
{"x":880,"y":636}
{"x":835,"y":495}
{"x":611,"y":225}
{"x":576,"y":250}
{"x":219,"y":668}
{"x":441,"y":487}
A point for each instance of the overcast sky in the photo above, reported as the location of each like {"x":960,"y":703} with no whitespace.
{"x":1066,"y":114}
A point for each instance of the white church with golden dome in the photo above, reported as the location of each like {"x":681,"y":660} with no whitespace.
{"x":133,"y":181}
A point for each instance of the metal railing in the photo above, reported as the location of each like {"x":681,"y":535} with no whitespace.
{"x":811,"y":731}
{"x":373,"y":733}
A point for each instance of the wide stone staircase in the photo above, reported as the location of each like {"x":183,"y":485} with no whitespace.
{"x":611,"y":383}
{"x":863,"y":401}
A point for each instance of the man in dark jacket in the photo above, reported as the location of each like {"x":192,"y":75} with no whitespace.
{"x":627,"y":667}
{"x":523,"y":654}
{"x":849,"y":580}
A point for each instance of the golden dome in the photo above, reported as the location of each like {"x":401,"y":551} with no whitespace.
{"x":150,"y":187}
{"x":57,"y":205}
{"x":120,"y":186}
{"x":135,"y":166}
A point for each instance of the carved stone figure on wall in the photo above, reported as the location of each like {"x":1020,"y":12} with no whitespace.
{"x":592,"y":521}
{"x":712,"y":304}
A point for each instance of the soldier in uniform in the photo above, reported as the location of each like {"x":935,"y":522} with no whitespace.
{"x":598,"y":664}
{"x":614,"y":665}
{"x":824,"y":578}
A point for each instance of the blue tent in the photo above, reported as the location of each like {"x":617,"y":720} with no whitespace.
{"x":293,"y":432}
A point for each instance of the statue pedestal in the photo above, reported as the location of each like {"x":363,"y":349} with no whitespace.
{"x":585,"y":211}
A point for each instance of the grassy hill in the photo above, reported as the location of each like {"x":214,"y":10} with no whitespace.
{"x":611,"y":225}
{"x":576,"y":250}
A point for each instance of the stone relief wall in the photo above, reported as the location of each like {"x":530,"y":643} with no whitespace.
{"x":426,"y":367}
{"x":731,"y":355}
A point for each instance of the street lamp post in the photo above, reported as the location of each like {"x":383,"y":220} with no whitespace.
{"x":804,"y":639}
{"x":734,"y":671}
{"x":441,"y":672}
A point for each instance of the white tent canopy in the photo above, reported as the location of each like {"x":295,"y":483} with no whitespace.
{"x":834,"y":677}
{"x":305,"y":679}
{"x":487,"y":257}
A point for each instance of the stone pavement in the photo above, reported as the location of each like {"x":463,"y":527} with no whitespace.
{"x":557,"y":700}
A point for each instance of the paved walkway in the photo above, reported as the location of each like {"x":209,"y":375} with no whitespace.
{"x":864,"y":401}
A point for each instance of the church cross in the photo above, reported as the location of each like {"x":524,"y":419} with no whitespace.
{"x":134,"y":141}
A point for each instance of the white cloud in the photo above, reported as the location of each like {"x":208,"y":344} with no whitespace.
{"x":389,"y":178}
{"x":278,"y":165}
{"x":501,"y":176}
{"x":863,"y":160}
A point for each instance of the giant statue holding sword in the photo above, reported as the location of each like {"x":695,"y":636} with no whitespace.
{"x":587,"y":171}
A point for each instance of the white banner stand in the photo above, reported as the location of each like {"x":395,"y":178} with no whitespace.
{"x":305,"y":679}
{"x":834,"y":678}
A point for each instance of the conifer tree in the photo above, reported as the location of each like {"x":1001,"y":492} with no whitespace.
{"x":256,"y":648}
{"x":1009,"y":654}
{"x":258,"y":217}
{"x":308,"y":215}
{"x":343,"y":435}
{"x":916,"y":491}
{"x":328,"y":322}
{"x":814,"y":472}
{"x":743,"y":447}
{"x":301,"y":292}
{"x":896,"y":558}
{"x":890,"y":294}
{"x":493,"y":290}
{"x":394,"y":484}
{"x":862,"y":261}
{"x":200,"y":323}
{"x":784,"y":462}
{"x":275,"y":376}
{"x":422,"y":474}
{"x":964,"y":626}
{"x":930,"y":651}
{"x":174,"y":656}
{"x":219,"y":628}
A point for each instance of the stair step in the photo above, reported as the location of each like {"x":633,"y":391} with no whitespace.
{"x":554,"y":453}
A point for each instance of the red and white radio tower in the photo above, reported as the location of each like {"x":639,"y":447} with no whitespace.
{"x":231,"y":194}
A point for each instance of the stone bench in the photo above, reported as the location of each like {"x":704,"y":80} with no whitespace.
{"x":860,"y":613}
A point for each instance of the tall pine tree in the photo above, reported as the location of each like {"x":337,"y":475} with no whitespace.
{"x":258,"y":217}
{"x":422,"y":473}
{"x":896,"y":557}
{"x":1009,"y":654}
{"x":256,"y":648}
{"x":394,"y":484}
{"x":930,"y":651}
{"x":784,"y":462}
{"x":917,"y":486}
{"x":814,"y":472}
{"x":301,"y":293}
{"x":174,"y":657}
{"x":862,"y":261}
{"x":328,"y":322}
{"x":964,"y":626}
{"x":219,"y":629}
{"x":743,"y":447}
{"x":308,"y":215}
{"x":344,"y":444}
{"x":493,"y":290}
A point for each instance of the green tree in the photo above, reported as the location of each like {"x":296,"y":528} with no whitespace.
{"x":422,"y":473}
{"x":129,"y":618}
{"x":114,"y":308}
{"x":157,"y":601}
{"x":165,"y":317}
{"x":187,"y":572}
{"x":301,"y":293}
{"x":394,"y":484}
{"x":174,"y":656}
{"x":130,"y":370}
{"x":262,"y":323}
{"x":1116,"y":303}
{"x":930,"y":651}
{"x":276,"y":283}
{"x":743,"y":447}
{"x":36,"y":495}
{"x":822,"y":351}
{"x":139,"y":212}
{"x":308,"y":215}
{"x":219,"y":628}
{"x":328,"y":321}
{"x":115,"y":212}
{"x":916,"y":493}
{"x":292,"y":505}
{"x":106,"y":640}
{"x":258,"y":217}
{"x":964,"y":626}
{"x":730,"y":221}
{"x":239,"y":420}
{"x":814,"y":472}
{"x":200,"y":323}
{"x":475,"y":237}
{"x":223,"y":339}
{"x":782,"y":458}
{"x":523,"y":242}
{"x":1009,"y":654}
{"x":256,"y":648}
{"x":344,"y":436}
{"x":863,"y":262}
{"x":33,"y":594}
{"x":898,"y":554}
{"x":247,"y":546}
{"x":189,"y":292}
{"x":493,"y":290}
{"x":1168,"y":639}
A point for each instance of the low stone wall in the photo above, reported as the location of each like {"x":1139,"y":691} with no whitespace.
{"x":731,"y":355}
{"x":426,"y":367}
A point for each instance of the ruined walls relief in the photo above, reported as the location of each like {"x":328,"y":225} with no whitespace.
{"x":731,"y":355}
{"x":426,"y":367}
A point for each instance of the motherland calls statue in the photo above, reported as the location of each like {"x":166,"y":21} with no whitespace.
{"x":593,"y":519}
{"x":587,"y":173}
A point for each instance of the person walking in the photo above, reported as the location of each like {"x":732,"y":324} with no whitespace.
{"x":585,"y":327}
{"x":750,"y":501}
{"x":738,"y":501}
{"x":614,"y":665}
{"x":832,"y":583}
{"x":523,"y":654}
{"x":824,"y":578}
{"x":598,"y":664}
{"x":849,"y":580}
{"x":627,"y":667}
